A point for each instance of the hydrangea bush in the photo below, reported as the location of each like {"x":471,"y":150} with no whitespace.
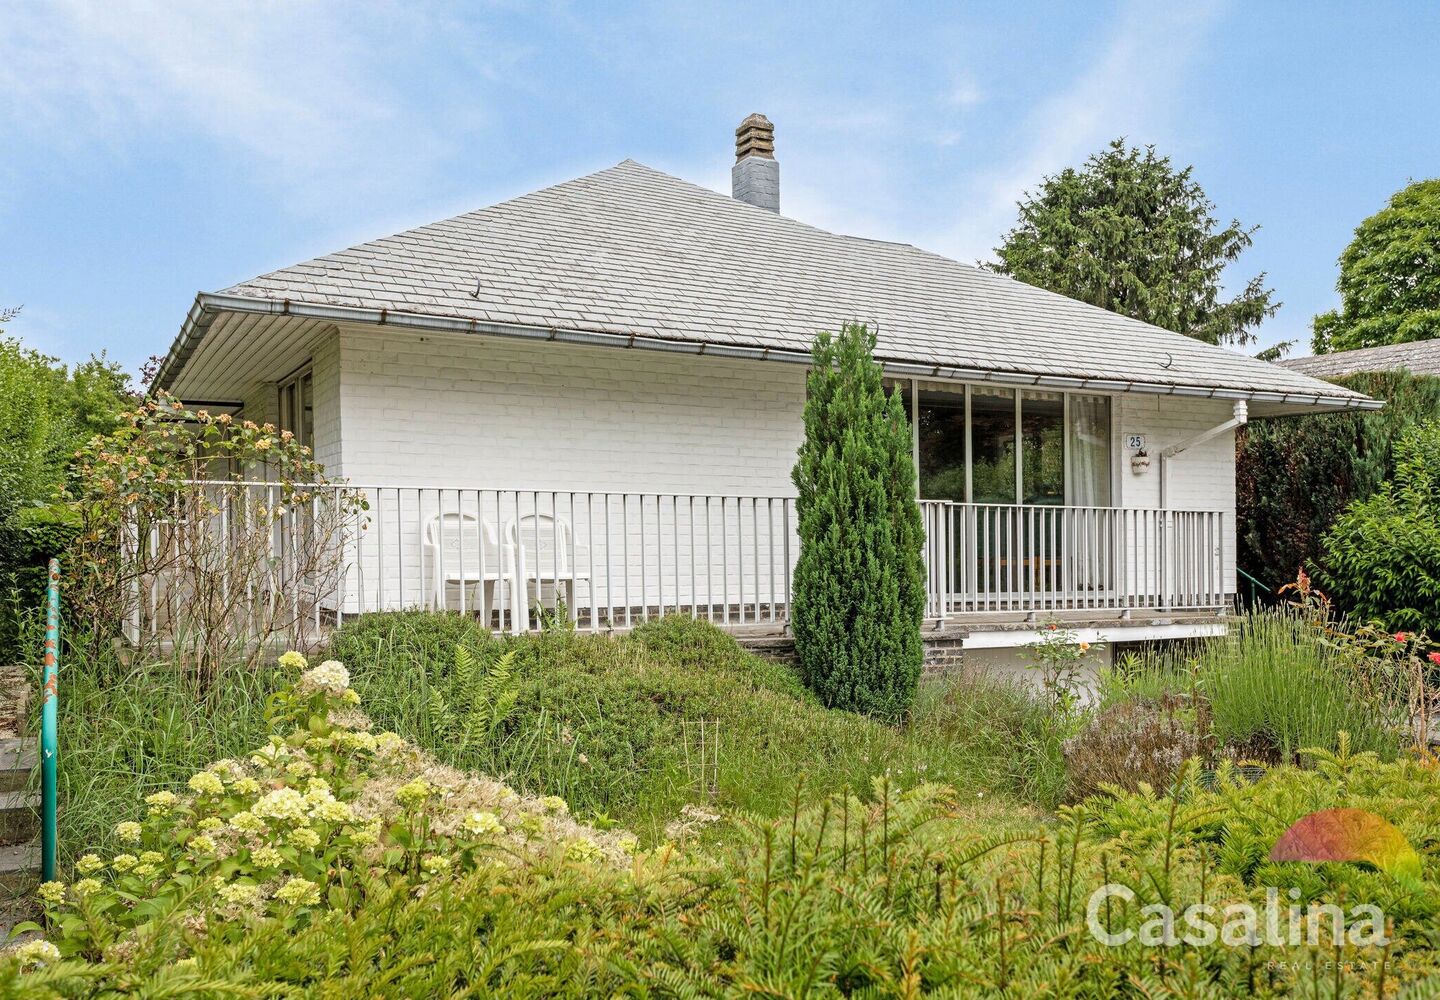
{"x":316,"y":820}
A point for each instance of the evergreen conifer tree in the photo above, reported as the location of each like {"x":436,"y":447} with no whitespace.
{"x":859,"y":590}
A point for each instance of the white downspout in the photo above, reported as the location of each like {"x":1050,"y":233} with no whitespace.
{"x":1241,"y":417}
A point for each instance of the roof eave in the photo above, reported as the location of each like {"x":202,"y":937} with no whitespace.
{"x":209,"y":304}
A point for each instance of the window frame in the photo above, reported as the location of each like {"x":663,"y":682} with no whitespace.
{"x":913,"y":394}
{"x":290,"y":405}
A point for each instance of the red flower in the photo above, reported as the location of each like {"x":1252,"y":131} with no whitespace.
{"x":1402,"y":636}
{"x":1434,"y":658}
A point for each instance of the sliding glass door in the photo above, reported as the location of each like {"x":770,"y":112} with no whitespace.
{"x":1024,"y":459}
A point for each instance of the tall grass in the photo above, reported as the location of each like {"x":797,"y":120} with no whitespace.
{"x":1273,"y":687}
{"x":1272,"y":683}
{"x":127,"y":731}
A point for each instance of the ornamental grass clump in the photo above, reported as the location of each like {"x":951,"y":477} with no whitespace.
{"x":318,"y":819}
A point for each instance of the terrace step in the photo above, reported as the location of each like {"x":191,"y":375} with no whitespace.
{"x":17,"y":759}
{"x":19,"y":868}
{"x":19,"y":817}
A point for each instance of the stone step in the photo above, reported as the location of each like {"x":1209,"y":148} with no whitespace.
{"x":19,"y":816}
{"x":19,"y":868}
{"x":18,"y":757}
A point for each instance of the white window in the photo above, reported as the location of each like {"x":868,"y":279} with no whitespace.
{"x":993,"y":445}
{"x":297,"y":407}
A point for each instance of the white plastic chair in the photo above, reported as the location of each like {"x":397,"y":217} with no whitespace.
{"x":465,"y":552}
{"x":545,"y":547}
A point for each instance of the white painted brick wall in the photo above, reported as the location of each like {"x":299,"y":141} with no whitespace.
{"x":1201,"y":478}
{"x":476,"y":412}
{"x":479,"y":413}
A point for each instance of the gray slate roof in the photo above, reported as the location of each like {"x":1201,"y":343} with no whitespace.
{"x":630,"y":250}
{"x":1422,"y":357}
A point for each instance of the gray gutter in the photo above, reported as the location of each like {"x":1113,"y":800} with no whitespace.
{"x":209,"y":304}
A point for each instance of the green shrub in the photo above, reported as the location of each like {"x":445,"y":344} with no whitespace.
{"x":1277,"y":682}
{"x":47,"y":411}
{"x":898,"y":892}
{"x":1136,"y":742}
{"x":859,"y":591}
{"x":1381,"y":559}
{"x":601,"y":719}
{"x":324,"y":818}
{"x":1295,"y":476}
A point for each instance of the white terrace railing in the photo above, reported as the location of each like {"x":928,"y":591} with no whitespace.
{"x":604,"y":560}
{"x":989,"y":558}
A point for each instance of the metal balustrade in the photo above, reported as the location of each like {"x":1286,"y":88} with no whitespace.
{"x":991,"y":558}
{"x":521,"y":559}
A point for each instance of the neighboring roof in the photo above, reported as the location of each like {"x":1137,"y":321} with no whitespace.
{"x":635,"y":256}
{"x":1420,"y":357}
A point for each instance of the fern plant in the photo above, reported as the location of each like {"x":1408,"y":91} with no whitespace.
{"x":481,"y":696}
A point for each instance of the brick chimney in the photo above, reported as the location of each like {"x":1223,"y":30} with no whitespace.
{"x":755,"y":178}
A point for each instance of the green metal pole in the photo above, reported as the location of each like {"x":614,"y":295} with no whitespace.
{"x":48,"y":743}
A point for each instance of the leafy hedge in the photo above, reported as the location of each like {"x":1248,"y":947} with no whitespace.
{"x":1382,"y":557}
{"x":29,"y":538}
{"x":1296,"y":475}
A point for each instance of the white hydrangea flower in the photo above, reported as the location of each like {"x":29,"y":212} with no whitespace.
{"x":358,"y":740}
{"x":206,"y":783}
{"x":248,"y":822}
{"x":293,"y":660}
{"x":299,"y":891}
{"x":161,"y":803}
{"x":582,"y":849}
{"x":89,"y":864}
{"x":331,"y":677}
{"x":555,"y":804}
{"x":42,"y":952}
{"x":365,"y":835}
{"x":413,"y":793}
{"x":483,"y":824}
{"x":303,"y":839}
{"x":283,"y":804}
{"x":240,"y":893}
{"x":331,"y":810}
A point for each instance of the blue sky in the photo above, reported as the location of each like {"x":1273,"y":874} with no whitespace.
{"x":155,"y":150}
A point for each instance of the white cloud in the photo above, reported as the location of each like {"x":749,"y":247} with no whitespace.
{"x":965,"y":93}
{"x":1124,"y":92}
{"x":292,"y":90}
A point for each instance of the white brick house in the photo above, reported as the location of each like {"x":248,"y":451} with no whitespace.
{"x":594,"y":392}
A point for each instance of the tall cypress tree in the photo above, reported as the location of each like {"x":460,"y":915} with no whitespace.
{"x":859,"y":591}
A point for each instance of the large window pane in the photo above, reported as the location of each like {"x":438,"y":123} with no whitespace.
{"x":942,"y":444}
{"x":1089,"y":484}
{"x":1042,"y":436}
{"x":992,"y":417}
